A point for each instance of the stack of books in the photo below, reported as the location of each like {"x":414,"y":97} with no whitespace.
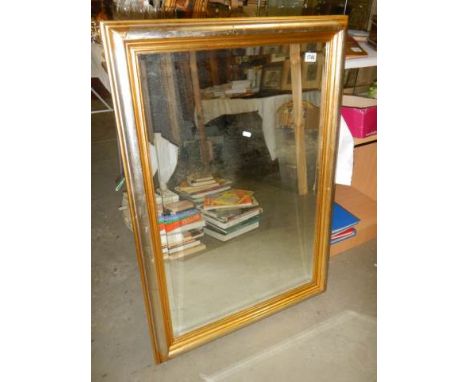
{"x":164,"y":197}
{"x":196,"y":189}
{"x":343,"y":223}
{"x":181,"y":227}
{"x":230,"y":214}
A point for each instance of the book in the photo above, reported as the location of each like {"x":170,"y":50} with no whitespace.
{"x":179,"y":206}
{"x":169,"y":227}
{"x":342,"y":219}
{"x":209,"y":180}
{"x":210,"y":191}
{"x":166,"y":196}
{"x":195,"y":225}
{"x":200,"y":190}
{"x":180,"y":238}
{"x":234,"y":198}
{"x":192,"y":179}
{"x":210,"y":231}
{"x":344,"y":232}
{"x":182,"y":247}
{"x":229,"y":218}
{"x":343,"y":235}
{"x":245,"y":205}
{"x":234,"y":227}
{"x":177,"y":216}
{"x":185,"y":252}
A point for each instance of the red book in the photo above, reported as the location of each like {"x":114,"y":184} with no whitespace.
{"x":188,"y":220}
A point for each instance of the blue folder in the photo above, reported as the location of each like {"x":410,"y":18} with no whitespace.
{"x":342,"y":218}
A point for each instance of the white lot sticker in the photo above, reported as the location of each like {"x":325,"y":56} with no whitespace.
{"x":310,"y":56}
{"x":247,"y":134}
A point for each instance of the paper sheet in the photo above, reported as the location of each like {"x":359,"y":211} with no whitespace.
{"x":164,"y":153}
{"x":344,"y":160}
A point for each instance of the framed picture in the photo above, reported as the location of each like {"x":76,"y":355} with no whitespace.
{"x":311,"y":74}
{"x":314,"y":47}
{"x":272,"y":76}
{"x":218,"y":244}
{"x":272,"y":49}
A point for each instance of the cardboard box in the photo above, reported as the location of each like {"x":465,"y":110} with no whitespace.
{"x":360,"y":114}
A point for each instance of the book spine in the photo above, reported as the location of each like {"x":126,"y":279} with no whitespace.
{"x":209,"y":192}
{"x":339,"y":238}
{"x":180,"y":223}
{"x":166,"y":219}
{"x":232,"y":222}
{"x":184,"y":246}
{"x":235,"y":227}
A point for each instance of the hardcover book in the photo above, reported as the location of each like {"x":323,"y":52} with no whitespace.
{"x":230,"y":218}
{"x":166,"y":196}
{"x":177,"y":216}
{"x":185,"y":252}
{"x":234,"y":228}
{"x":343,"y":235}
{"x":179,"y":238}
{"x":182,"y":247}
{"x":190,"y":226}
{"x":342,"y":219}
{"x":211,"y":231}
{"x":234,"y":198}
{"x":179,"y":206}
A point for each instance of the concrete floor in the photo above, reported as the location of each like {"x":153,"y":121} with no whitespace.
{"x":331,"y":337}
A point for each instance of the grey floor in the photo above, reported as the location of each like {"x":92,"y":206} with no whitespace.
{"x":331,"y":337}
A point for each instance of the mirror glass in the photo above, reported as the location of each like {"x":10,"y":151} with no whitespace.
{"x":233,"y":143}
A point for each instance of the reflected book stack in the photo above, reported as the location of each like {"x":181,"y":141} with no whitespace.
{"x":196,"y":189}
{"x":230,"y":214}
{"x":343,"y":223}
{"x":181,"y":227}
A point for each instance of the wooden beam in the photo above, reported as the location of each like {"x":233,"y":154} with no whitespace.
{"x":213,"y":67}
{"x":199,"y":109}
{"x":296,"y":85}
{"x":168,"y":78}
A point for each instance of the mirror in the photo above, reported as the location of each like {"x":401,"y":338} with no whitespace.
{"x":228,"y":143}
{"x":236,"y":210}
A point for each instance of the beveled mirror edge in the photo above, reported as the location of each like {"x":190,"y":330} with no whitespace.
{"x":164,"y":345}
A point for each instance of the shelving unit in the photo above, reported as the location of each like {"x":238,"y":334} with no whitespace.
{"x":361,"y":197}
{"x":363,"y":62}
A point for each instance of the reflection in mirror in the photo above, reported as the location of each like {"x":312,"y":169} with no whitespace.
{"x":233,"y":138}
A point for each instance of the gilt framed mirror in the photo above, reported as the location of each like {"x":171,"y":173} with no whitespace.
{"x":229,"y":185}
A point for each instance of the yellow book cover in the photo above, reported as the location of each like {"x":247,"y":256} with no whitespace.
{"x":229,"y":199}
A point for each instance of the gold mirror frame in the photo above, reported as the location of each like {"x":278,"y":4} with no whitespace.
{"x":124,"y":41}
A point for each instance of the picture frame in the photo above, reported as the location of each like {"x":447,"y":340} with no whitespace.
{"x":272,"y":49}
{"x":125,"y":43}
{"x":272,"y":75}
{"x":311,"y":74}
